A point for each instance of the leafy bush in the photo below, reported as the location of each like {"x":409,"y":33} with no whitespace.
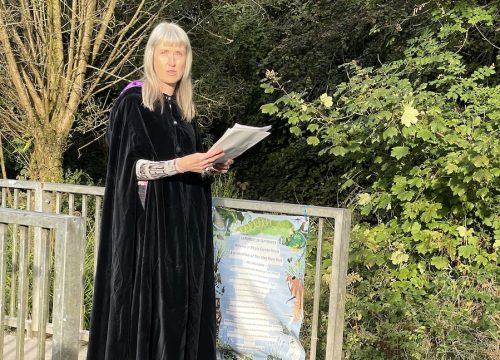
{"x":420,"y":139}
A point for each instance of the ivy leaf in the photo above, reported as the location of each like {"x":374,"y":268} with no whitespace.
{"x":269,"y":109}
{"x":399,"y":257}
{"x":400,"y":151}
{"x":409,"y":114}
{"x":326,"y":100}
{"x":439,"y":262}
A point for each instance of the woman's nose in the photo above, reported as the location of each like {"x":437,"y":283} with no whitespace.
{"x":171,"y":59}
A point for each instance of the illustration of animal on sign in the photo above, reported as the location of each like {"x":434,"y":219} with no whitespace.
{"x":224,"y":218}
{"x":297,"y":291}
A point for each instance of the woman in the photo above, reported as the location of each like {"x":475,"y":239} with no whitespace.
{"x":154,"y":287}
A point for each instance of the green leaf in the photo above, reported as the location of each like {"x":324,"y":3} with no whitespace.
{"x":439,"y":262}
{"x":425,"y":134}
{"x":295,"y":130}
{"x":364,"y":198}
{"x":269,"y":109}
{"x":403,"y":273}
{"x":462,"y":231}
{"x":481,"y":260}
{"x":326,"y":100}
{"x":480,"y":161}
{"x":400,"y":151}
{"x":482,"y":192}
{"x":466,"y":251}
{"x":27,"y":145}
{"x":399,"y":257}
{"x":451,"y":168}
{"x":312,"y":127}
{"x":389,"y":133}
{"x":338,"y":151}
{"x":312,"y":140}
{"x":268,"y":89}
{"x":409,"y":114}
{"x":305,"y":117}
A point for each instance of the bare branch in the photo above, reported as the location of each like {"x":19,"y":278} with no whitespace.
{"x":485,"y":38}
{"x":13,"y":71}
{"x":106,"y":71}
{"x":40,"y":110}
{"x":28,"y":23}
{"x":25,"y":54}
{"x":106,"y":18}
{"x":50,"y":51}
{"x":64,"y":125}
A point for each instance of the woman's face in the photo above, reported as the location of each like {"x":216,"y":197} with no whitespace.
{"x":169,"y":65}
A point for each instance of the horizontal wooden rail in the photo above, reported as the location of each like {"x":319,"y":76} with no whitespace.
{"x":49,"y":197}
{"x":69,"y":247}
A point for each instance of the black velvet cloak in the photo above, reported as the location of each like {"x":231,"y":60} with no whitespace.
{"x":154,"y":294}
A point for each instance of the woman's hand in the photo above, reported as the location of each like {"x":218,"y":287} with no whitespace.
{"x":198,"y":162}
{"x":223,"y":167}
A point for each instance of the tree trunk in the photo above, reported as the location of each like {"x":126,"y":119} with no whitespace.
{"x":57,"y":55}
{"x":46,"y":159}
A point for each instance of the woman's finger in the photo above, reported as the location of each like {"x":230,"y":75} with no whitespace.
{"x":215,"y":157}
{"x":215,"y":152}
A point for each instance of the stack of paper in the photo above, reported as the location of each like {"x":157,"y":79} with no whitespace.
{"x":239,"y":139}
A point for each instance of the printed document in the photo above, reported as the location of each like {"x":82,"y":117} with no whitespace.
{"x":238,"y":139}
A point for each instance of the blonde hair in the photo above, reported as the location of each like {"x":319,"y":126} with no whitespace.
{"x":168,"y":33}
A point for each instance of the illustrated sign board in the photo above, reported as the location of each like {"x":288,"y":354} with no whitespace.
{"x":259,"y":272}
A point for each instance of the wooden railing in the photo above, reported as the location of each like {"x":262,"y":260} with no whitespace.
{"x":86,"y":201}
{"x":67,"y":266}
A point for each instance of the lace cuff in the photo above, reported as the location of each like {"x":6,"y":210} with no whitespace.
{"x":153,"y":170}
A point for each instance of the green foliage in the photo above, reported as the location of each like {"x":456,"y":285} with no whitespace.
{"x":419,"y":136}
{"x":224,"y":186}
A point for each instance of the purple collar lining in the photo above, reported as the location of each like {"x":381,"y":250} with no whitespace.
{"x":135,"y":83}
